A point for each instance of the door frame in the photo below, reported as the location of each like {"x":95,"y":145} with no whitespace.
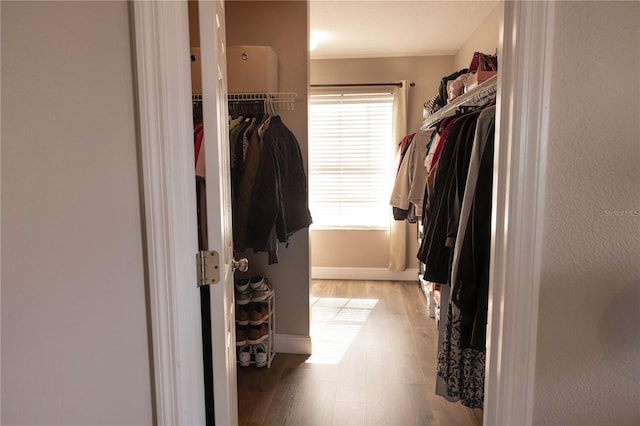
{"x":522,"y":120}
{"x":161,"y":39}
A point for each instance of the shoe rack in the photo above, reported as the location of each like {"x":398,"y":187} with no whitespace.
{"x":253,"y":346}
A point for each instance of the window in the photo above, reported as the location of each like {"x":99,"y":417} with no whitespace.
{"x":350,"y":159}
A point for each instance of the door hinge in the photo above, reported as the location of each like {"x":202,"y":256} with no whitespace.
{"x":208,"y":267}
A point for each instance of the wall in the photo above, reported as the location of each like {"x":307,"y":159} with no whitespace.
{"x":588,"y":354}
{"x":370,"y":249}
{"x":355,"y":248}
{"x":283,"y":25}
{"x":484,"y":39}
{"x":74,"y":316}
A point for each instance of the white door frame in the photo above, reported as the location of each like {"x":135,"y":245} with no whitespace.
{"x":522,"y":118}
{"x":518,"y":210}
{"x":161,"y":31}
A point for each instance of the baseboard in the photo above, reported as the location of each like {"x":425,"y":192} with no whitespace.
{"x":293,"y":344}
{"x":377,"y":274}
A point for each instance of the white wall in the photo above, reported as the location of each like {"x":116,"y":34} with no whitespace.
{"x":74,"y":317}
{"x":588,"y":353}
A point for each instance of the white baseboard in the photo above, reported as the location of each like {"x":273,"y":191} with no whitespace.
{"x":377,"y":274}
{"x":293,"y":344}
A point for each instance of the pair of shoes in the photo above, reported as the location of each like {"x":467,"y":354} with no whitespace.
{"x":256,"y":289}
{"x":261,"y":352}
{"x":260,"y":288}
{"x":241,"y":284}
{"x":244,"y":357}
{"x":257,"y":334}
{"x":242,"y":314}
{"x":241,"y":335}
{"x":258,"y":313}
{"x":243,"y":292}
{"x":254,"y":314}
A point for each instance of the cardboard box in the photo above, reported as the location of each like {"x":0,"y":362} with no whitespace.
{"x":252,"y":69}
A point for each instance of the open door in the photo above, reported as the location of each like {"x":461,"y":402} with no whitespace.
{"x":218,"y":199}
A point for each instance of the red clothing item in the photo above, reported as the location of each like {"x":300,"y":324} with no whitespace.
{"x":444,"y":129}
{"x":198,"y":132}
{"x":404,"y":144}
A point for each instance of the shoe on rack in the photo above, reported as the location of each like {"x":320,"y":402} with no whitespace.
{"x":244,"y":358}
{"x":242,"y":285}
{"x":243,"y":297}
{"x":242,"y":315}
{"x":261,"y":288}
{"x":257,"y":334}
{"x":261,"y":354}
{"x":258,"y":313}
{"x":241,"y":335}
{"x":256,"y":281}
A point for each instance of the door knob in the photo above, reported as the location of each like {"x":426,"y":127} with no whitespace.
{"x":241,"y":265}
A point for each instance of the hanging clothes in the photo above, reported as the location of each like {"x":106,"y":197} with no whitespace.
{"x":400,"y":207}
{"x":279,"y":194}
{"x":198,"y":148}
{"x":461,"y":355}
{"x":440,"y":217}
{"x":242,"y":200}
{"x":470,"y":264}
{"x":269,"y":184}
{"x":455,"y":247}
{"x":410,"y":180}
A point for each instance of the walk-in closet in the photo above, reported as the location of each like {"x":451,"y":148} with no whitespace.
{"x":316,"y":304}
{"x":110,"y":158}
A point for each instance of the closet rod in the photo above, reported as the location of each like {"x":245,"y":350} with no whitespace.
{"x":360,"y":85}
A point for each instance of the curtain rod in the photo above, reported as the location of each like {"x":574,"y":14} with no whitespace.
{"x":360,"y":85}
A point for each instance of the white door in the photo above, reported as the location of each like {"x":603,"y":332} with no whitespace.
{"x":216,"y":142}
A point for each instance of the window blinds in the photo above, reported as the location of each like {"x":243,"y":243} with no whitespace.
{"x":350,"y":159}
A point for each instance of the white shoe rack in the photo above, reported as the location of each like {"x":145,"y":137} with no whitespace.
{"x":270,"y":321}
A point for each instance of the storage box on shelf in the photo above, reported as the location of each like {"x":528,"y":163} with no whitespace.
{"x":478,"y":78}
{"x":252,"y":69}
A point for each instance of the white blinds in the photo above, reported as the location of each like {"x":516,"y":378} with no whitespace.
{"x":350,"y":157}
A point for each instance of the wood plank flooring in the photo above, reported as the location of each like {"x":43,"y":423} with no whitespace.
{"x":374,"y":363}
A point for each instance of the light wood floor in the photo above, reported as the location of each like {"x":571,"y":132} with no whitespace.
{"x":374,"y":363}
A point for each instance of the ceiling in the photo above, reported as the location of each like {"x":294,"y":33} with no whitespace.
{"x":377,"y":28}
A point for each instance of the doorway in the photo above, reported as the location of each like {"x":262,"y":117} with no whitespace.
{"x":508,"y":370}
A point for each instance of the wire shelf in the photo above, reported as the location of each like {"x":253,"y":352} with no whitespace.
{"x":479,"y":95}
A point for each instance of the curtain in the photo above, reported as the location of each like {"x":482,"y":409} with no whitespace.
{"x":398,"y":228}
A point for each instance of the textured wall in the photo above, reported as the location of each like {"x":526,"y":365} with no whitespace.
{"x":74,"y":319}
{"x":282,"y":25}
{"x":426,"y":72}
{"x":588,"y":355}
